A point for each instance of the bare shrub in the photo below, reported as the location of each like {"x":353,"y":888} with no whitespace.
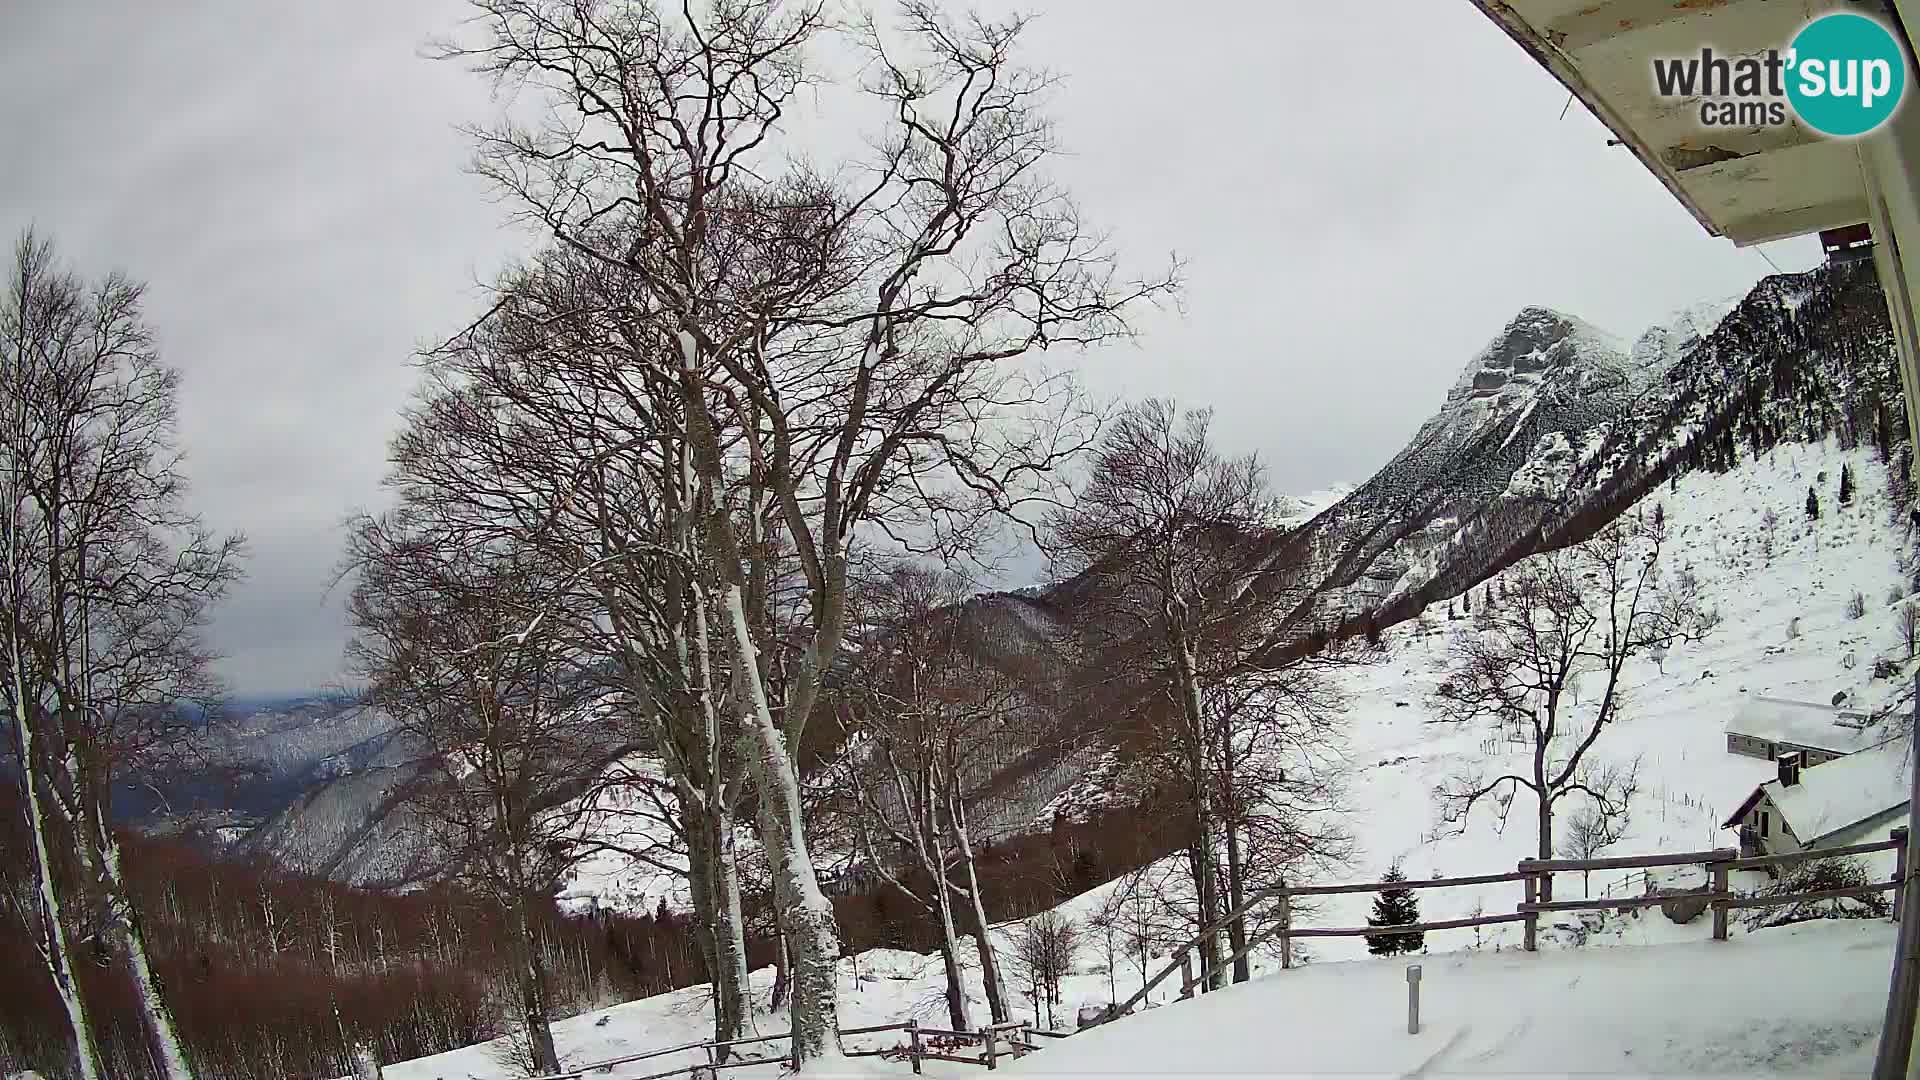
{"x":1043,"y":948}
{"x":1815,"y":877}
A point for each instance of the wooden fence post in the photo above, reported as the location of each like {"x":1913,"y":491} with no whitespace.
{"x":1186,"y":974}
{"x":1899,"y":869}
{"x":1286,"y":926}
{"x":992,"y":1038}
{"x":1720,"y":880}
{"x":1026,"y":1039}
{"x":1532,"y":923}
{"x":913,"y":1045}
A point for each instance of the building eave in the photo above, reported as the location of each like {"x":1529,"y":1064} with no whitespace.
{"x":1747,"y":184}
{"x":1746,"y":807}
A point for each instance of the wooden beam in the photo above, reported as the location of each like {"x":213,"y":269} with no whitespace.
{"x":1821,"y":894}
{"x":1408,"y":928}
{"x":1376,"y":886}
{"x":1631,"y":862}
{"x":1781,"y":224}
{"x":1755,"y":862}
{"x":1595,"y":23}
{"x":1615,"y":903}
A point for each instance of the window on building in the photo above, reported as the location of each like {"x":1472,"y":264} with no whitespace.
{"x":1763,"y":823}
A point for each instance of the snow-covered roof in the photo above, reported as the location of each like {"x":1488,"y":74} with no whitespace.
{"x":1804,"y":723}
{"x":1840,"y":793}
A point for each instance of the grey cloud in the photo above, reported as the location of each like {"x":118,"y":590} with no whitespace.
{"x":1365,"y":192}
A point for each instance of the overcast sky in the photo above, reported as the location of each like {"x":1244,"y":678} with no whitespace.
{"x":1365,"y":194}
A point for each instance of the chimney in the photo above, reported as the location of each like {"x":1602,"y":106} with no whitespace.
{"x":1789,"y":768}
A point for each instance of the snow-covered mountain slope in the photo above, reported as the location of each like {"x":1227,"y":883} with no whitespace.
{"x":1553,"y":428}
{"x":1782,"y":594}
{"x":1667,"y":342}
{"x":259,"y":758}
{"x":355,"y":828}
{"x":1523,"y":452}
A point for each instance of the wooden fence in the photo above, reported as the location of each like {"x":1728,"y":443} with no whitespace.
{"x":1014,"y":1038}
{"x":1535,"y":876}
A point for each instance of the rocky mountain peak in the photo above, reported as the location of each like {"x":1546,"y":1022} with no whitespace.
{"x":1535,"y":341}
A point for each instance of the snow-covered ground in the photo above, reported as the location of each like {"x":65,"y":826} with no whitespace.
{"x":1800,"y":1000}
{"x":1642,"y":995}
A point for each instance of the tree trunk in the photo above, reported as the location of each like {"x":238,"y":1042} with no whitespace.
{"x":782,"y":967}
{"x":1200,"y":854}
{"x":700,"y":892}
{"x":975,"y":912}
{"x":812,"y":931}
{"x":169,"y":1054}
{"x":976,"y":924}
{"x":1236,"y":899}
{"x":56,"y":947}
{"x":714,"y":881}
{"x":1546,"y":846}
{"x":536,"y":1011}
{"x":949,"y":948}
{"x":730,"y":936}
{"x":956,"y":984}
{"x":366,"y":1066}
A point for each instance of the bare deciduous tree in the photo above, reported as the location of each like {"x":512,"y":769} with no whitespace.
{"x":457,"y":646}
{"x":1044,"y":947}
{"x":1592,"y":829}
{"x":1588,"y":608}
{"x":1276,"y":766}
{"x":838,"y":348}
{"x":108,"y":581}
{"x":1168,"y":527}
{"x":540,"y":426}
{"x":924,"y":723}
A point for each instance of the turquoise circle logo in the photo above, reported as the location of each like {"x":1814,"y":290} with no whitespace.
{"x":1848,"y":72}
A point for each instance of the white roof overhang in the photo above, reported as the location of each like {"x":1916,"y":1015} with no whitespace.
{"x":1749,"y":184}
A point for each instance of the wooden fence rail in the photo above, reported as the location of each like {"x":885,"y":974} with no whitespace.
{"x":1406,"y":928}
{"x":1016,"y":1034}
{"x":1629,"y":862}
{"x":1535,"y":874}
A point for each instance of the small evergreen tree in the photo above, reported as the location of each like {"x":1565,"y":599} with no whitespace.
{"x":1846,"y":484}
{"x":1813,"y":504}
{"x":1395,"y":907}
{"x":1466,"y":602}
